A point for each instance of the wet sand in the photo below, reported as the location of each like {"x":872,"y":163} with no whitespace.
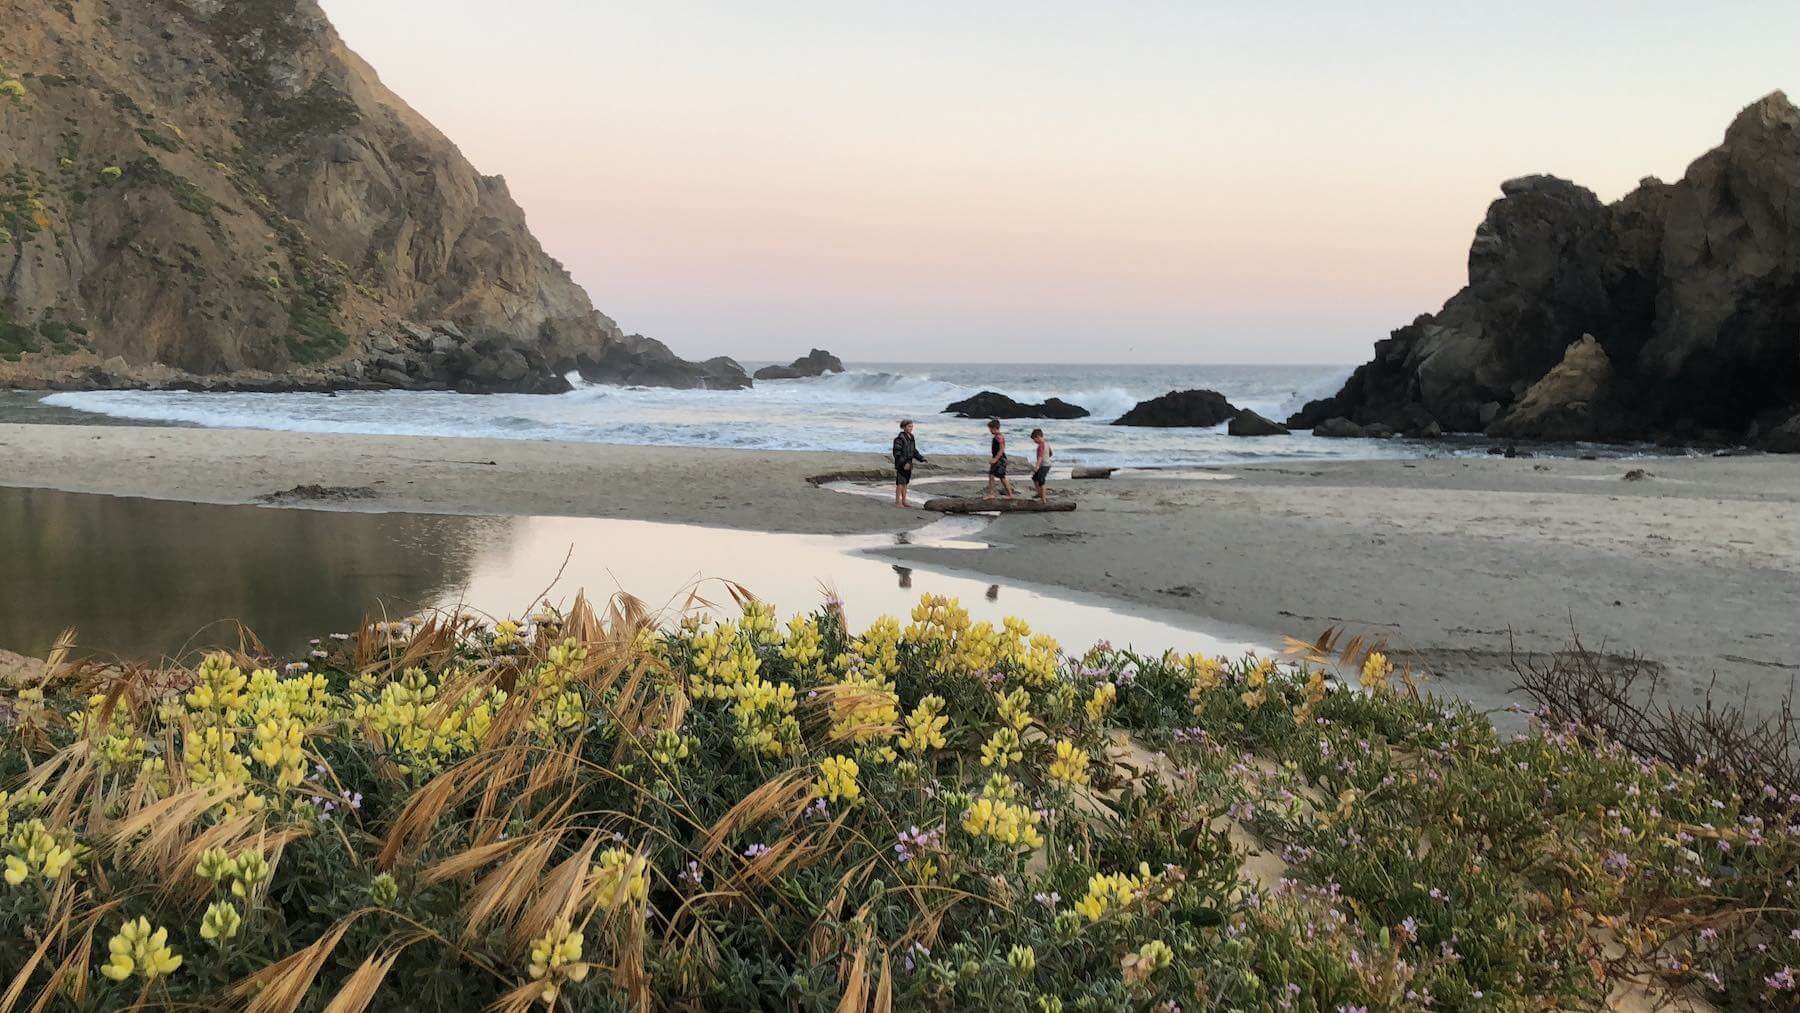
{"x":1461,"y":561}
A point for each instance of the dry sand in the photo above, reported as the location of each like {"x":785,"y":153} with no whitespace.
{"x":1697,"y":567}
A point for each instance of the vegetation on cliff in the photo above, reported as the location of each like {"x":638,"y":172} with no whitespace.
{"x":588,"y":811}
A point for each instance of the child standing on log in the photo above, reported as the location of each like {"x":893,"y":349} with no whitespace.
{"x":997,"y":462}
{"x":1040,"y":477}
{"x":906,"y":451}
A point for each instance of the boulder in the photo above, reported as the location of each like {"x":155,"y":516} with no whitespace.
{"x":1574,"y":401}
{"x":1339,"y":428}
{"x":1199,"y":409}
{"x":817,"y":362}
{"x":991,"y":405}
{"x":637,"y":361}
{"x":1248,"y":423}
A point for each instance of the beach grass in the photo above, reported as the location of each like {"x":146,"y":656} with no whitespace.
{"x":595,"y":810}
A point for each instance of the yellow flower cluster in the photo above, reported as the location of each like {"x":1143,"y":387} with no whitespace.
{"x":557,"y":703}
{"x":925,"y":726}
{"x":758,"y":623}
{"x":221,"y":922}
{"x":878,"y":648}
{"x":1014,"y":709}
{"x":1070,"y":764}
{"x":115,"y":740}
{"x":1039,"y":663}
{"x":32,"y":850}
{"x":837,"y":780}
{"x":268,"y":715}
{"x":138,"y":949}
{"x":805,"y":645}
{"x":1006,"y":822}
{"x":1204,"y":675}
{"x":556,"y":960}
{"x":1002,"y":749}
{"x":506,"y":634}
{"x":1107,"y":893}
{"x":418,"y":727}
{"x":1101,"y":703}
{"x":621,"y":876}
{"x":243,"y":874}
{"x":1376,"y":672}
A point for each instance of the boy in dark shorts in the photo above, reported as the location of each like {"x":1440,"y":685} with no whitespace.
{"x":1040,"y":477}
{"x":997,"y":462}
{"x":906,"y":451}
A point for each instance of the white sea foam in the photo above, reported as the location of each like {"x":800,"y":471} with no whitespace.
{"x":853,"y":411}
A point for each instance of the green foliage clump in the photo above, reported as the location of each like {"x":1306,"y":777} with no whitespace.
{"x":594,"y":812}
{"x":313,"y":331}
{"x":157,"y":139}
{"x":147,"y":171}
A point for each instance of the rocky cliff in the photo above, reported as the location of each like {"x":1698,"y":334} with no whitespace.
{"x":1690,"y":289}
{"x":218,"y":192}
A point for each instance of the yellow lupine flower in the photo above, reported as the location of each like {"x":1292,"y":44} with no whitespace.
{"x":1102,"y":701}
{"x":220,"y":923}
{"x":837,"y":779}
{"x":1376,"y":670}
{"x":139,"y":949}
{"x":1003,"y":821}
{"x":620,"y":876}
{"x":1002,"y":749}
{"x":556,"y":959}
{"x":1070,"y":765}
{"x":925,"y":726}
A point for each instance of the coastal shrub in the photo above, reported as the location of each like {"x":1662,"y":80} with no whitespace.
{"x":14,"y":89}
{"x":593,"y":811}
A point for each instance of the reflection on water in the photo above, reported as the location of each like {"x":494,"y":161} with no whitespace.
{"x":141,"y":577}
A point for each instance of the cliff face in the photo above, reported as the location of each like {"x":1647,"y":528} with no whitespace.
{"x":220,"y":185}
{"x":1692,"y":290}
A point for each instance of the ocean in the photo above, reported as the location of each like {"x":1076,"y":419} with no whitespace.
{"x":855,"y":411}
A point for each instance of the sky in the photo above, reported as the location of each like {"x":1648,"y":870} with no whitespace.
{"x":997,"y":181}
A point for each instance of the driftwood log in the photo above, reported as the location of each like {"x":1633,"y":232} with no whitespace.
{"x":1091,"y":472}
{"x":977,"y":505}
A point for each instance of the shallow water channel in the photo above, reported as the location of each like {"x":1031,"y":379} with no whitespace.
{"x":149,"y":578}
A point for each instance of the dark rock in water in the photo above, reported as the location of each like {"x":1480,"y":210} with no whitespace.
{"x":637,"y":361}
{"x":1199,"y":409}
{"x":817,"y":362}
{"x":1248,"y":423}
{"x":1574,"y":401}
{"x":1339,"y":428}
{"x":1691,"y":290}
{"x":989,"y":405}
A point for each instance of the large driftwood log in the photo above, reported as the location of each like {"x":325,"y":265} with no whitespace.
{"x":977,"y":505}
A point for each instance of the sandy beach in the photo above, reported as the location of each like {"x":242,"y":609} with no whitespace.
{"x":1459,"y":561}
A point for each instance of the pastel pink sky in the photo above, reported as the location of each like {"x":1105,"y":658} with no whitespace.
{"x":991,"y":181}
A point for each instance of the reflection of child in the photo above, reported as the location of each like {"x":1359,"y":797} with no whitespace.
{"x":1041,"y":477}
{"x":906,"y":451}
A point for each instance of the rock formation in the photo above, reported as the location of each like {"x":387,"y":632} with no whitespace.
{"x":1691,"y":290}
{"x":991,"y":405}
{"x":817,"y":362}
{"x":1248,"y":423}
{"x":1177,"y":408}
{"x":635,"y":360}
{"x":217,"y":190}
